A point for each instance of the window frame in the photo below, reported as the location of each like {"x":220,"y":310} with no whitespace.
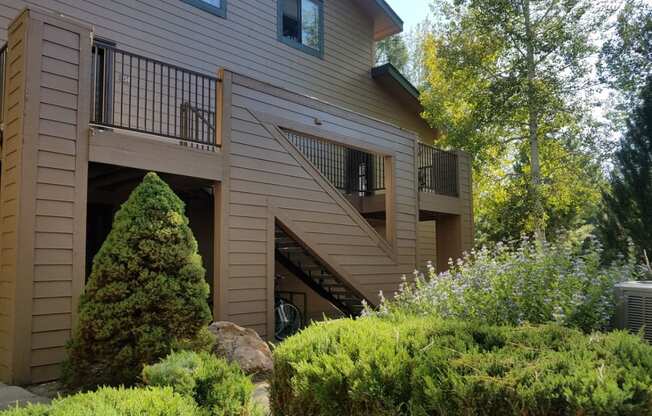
{"x":319,"y":53}
{"x":209,"y":8}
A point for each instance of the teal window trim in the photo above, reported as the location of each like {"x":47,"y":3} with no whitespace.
{"x":319,"y":53}
{"x":217,"y":11}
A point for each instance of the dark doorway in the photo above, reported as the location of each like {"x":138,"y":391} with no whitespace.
{"x":109,"y":186}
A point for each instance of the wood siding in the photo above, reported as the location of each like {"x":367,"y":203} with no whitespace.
{"x":244,"y":42}
{"x":465,"y":181}
{"x":426,"y":244}
{"x":53,"y":161}
{"x":9,"y":196}
{"x":56,"y":196}
{"x":270,"y":179}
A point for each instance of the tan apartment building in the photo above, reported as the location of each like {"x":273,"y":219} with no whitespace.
{"x":306,"y":172}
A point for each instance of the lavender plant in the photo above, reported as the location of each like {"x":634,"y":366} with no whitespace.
{"x":523,"y":282}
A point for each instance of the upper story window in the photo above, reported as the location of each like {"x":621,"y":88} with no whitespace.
{"x":301,"y":25}
{"x":216,"y":7}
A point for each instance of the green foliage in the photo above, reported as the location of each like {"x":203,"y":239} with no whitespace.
{"x":527,"y":282}
{"x":218,"y":387}
{"x":426,"y":366}
{"x":504,"y":80}
{"x":570,"y":194}
{"x":629,"y":203}
{"x":146,"y":291}
{"x":204,"y":341}
{"x":626,"y":57}
{"x":392,"y":50}
{"x":115,"y":402}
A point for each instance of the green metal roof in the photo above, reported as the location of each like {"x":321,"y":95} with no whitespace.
{"x":390,"y":78}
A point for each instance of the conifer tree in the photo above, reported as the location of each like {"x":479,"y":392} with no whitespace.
{"x":146,"y":291}
{"x":628,"y":204}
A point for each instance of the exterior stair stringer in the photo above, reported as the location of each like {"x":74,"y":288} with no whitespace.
{"x":273,"y":187}
{"x":340,"y":199}
{"x":312,"y":247}
{"x":385,"y":250}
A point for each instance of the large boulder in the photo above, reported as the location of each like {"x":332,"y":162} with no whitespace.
{"x":242,"y":346}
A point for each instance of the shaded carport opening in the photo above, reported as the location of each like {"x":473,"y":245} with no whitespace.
{"x":109,"y":186}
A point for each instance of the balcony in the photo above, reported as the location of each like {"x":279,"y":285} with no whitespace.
{"x":444,"y":182}
{"x":143,"y":95}
{"x":360,"y":175}
{"x":353,"y":172}
{"x":140,"y":94}
{"x":437,"y":171}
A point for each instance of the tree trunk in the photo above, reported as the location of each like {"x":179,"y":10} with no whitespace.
{"x":533,"y":125}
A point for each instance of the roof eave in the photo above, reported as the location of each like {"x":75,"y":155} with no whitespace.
{"x":390,"y":79}
{"x":386,"y":21}
{"x":393,"y":24}
{"x":388,"y":72}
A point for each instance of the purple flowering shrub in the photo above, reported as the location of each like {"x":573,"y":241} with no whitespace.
{"x":524,"y":282}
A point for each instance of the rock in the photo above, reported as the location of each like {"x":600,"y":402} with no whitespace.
{"x":12,"y":396}
{"x":51,"y":390}
{"x":242,"y":346}
{"x":261,"y":396}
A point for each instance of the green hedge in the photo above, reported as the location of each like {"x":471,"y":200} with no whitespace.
{"x":425,"y":366}
{"x":218,"y":387}
{"x":115,"y":402}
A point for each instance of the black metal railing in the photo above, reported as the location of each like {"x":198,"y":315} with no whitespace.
{"x":437,"y":171}
{"x":3,"y":82}
{"x":149,"y":96}
{"x":352,"y":171}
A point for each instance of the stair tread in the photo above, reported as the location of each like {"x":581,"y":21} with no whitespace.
{"x":312,"y":272}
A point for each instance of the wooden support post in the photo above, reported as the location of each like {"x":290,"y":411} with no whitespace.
{"x":44,"y":180}
{"x":218,"y":226}
{"x":219,"y":107}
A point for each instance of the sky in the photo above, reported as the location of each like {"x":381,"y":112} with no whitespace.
{"x":411,"y":11}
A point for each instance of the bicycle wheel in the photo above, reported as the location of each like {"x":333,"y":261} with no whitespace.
{"x":288,"y":320}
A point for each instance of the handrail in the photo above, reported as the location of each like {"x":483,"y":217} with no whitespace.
{"x":189,"y":130}
{"x":438,"y":170}
{"x":201,"y":117}
{"x":146,"y":95}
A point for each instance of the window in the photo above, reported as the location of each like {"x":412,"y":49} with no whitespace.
{"x":301,"y":25}
{"x":216,"y":7}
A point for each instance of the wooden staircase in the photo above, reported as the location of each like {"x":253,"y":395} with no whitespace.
{"x":292,"y":255}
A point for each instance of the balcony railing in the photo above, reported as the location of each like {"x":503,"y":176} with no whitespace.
{"x":437,"y":171}
{"x":145,"y":95}
{"x":352,"y":171}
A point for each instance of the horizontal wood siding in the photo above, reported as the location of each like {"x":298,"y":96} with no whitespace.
{"x":43,"y":191}
{"x":466,"y":198}
{"x":245,"y":42}
{"x":55,"y":200}
{"x":426,"y":244}
{"x":10,"y":183}
{"x":264,"y":176}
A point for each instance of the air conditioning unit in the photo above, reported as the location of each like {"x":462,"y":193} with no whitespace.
{"x":634,"y":307}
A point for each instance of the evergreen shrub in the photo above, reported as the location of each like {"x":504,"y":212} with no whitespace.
{"x":429,"y":366}
{"x":146,"y":292}
{"x":218,"y":387}
{"x":114,"y":402}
